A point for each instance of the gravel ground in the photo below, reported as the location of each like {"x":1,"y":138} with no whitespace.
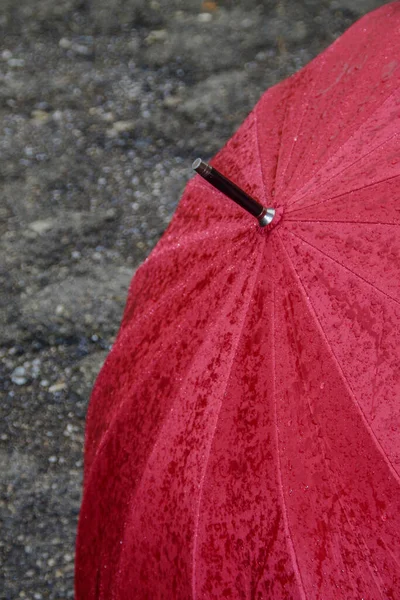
{"x":103,"y":105}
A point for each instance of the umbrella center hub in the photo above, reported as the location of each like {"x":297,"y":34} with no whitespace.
{"x":275,"y":221}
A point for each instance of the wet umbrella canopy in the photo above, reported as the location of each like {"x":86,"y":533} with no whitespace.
{"x":243,"y":435}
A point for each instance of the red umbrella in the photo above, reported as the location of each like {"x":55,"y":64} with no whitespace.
{"x":243,"y":435}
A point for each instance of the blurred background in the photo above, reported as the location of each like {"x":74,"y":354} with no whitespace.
{"x":104,"y":105}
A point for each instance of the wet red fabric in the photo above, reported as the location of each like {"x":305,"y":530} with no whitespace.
{"x":243,"y":437}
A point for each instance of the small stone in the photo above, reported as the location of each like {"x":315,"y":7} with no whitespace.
{"x":120,"y":127}
{"x":6,"y":55}
{"x":158,"y":35}
{"x":111,"y":213}
{"x":60,"y":309}
{"x":209,"y":5}
{"x":81,"y":49}
{"x":57,"y":387}
{"x":51,"y":562}
{"x":52,"y":459}
{"x":65,"y":44}
{"x":44,"y":383}
{"x":40,"y":117}
{"x":16,"y":63}
{"x":57,"y":115}
{"x":204,"y":17}
{"x":172,"y":101}
{"x":18,"y":376}
{"x":41,"y":226}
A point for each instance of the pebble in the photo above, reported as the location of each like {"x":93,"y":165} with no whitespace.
{"x":18,"y":376}
{"x":41,"y":226}
{"x":57,"y":387}
{"x":158,"y":35}
{"x":16,"y":62}
{"x":121,"y":127}
{"x":40,"y":117}
{"x":204,"y":17}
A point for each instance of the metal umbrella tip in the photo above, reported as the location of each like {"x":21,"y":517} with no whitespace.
{"x":196,"y":164}
{"x":201,"y":167}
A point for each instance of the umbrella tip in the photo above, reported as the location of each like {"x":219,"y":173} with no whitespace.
{"x":263,"y":215}
{"x":201,"y":167}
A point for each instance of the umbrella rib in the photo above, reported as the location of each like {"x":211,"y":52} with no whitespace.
{"x":300,"y":123}
{"x":363,"y":547}
{"x":388,"y":462}
{"x":344,"y":267}
{"x":324,"y":183}
{"x":364,"y":187}
{"x":385,"y":223}
{"x":163,"y":299}
{"x":189,"y":240}
{"x":203,"y":476}
{"x":292,"y":549}
{"x":108,"y":431}
{"x":259,"y":155}
{"x":348,"y":138}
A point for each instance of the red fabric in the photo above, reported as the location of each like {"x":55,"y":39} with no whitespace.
{"x":243,"y":435}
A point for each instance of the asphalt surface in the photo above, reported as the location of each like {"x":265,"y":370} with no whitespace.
{"x":103,"y":106}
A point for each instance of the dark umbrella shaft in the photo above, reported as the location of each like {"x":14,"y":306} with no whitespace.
{"x":227,"y":187}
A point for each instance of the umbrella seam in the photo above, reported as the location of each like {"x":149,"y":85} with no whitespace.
{"x":344,"y":267}
{"x":292,"y":550}
{"x":148,"y":456}
{"x":363,"y":547}
{"x":187,"y":240}
{"x":347,"y":384}
{"x":324,"y":183}
{"x":342,"y":222}
{"x":352,"y":135}
{"x":386,"y":459}
{"x":123,"y":334}
{"x":255,"y":276}
{"x":164,"y":299}
{"x":300,"y":122}
{"x":365,"y":187}
{"x":266,"y":199}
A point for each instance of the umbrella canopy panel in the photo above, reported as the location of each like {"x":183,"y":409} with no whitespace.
{"x":243,"y":436}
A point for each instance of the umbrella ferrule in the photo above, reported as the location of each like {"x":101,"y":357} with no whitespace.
{"x":266,"y":216}
{"x":202,"y":168}
{"x":263,"y":215}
